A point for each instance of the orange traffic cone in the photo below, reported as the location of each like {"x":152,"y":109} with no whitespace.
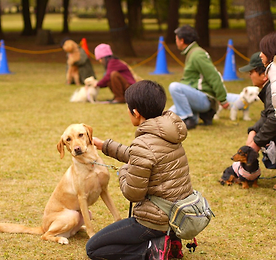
{"x":83,"y":44}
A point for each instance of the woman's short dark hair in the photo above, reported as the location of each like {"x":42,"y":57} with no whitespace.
{"x":268,"y":45}
{"x":188,"y":33}
{"x":147,"y":97}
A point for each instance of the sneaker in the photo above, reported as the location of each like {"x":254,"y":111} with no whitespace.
{"x":115,"y":101}
{"x":176,"y":250}
{"x":190,"y":123}
{"x":159,"y":248}
{"x":207,"y":117}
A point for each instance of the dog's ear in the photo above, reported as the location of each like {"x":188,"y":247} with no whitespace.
{"x":89,"y":131}
{"x":60,"y":147}
{"x":252,"y":155}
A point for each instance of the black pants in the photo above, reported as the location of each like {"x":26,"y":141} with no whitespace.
{"x":124,"y":239}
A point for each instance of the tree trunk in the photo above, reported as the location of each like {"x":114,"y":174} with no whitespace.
{"x":202,"y":22}
{"x":223,"y":14}
{"x":1,"y":31}
{"x":65,"y":16}
{"x":40,"y":13}
{"x":158,"y":15}
{"x":134,"y":15}
{"x":259,"y":22}
{"x":173,"y":17}
{"x":118,"y":29}
{"x":27,"y":30}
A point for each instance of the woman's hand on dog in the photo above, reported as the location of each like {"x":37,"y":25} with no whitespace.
{"x":225,"y":105}
{"x":250,"y":141}
{"x":98,"y":143}
{"x":254,"y":146}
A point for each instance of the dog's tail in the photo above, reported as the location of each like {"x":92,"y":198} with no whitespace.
{"x":17,"y":228}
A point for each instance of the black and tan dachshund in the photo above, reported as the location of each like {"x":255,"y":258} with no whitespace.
{"x":245,"y":169}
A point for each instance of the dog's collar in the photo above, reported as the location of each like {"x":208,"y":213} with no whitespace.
{"x":246,"y":104}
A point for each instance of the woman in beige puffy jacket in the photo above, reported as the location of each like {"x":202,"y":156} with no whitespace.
{"x":156,"y":164}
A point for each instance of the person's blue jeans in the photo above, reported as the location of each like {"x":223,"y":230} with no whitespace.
{"x":188,"y":101}
{"x":124,"y":239}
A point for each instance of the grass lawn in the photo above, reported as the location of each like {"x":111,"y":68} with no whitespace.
{"x":35,"y":110}
{"x":34,"y":113}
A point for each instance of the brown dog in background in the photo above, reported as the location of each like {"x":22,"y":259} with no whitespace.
{"x":245,"y":170}
{"x":67,"y":209}
{"x":73,"y":56}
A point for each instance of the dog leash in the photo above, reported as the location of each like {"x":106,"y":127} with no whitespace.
{"x":116,"y":169}
{"x":267,"y":178}
{"x":106,"y":165}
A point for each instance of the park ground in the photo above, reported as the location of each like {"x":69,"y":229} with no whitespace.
{"x":35,"y":110}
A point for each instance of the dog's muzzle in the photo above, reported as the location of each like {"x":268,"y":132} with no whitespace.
{"x":78,"y":150}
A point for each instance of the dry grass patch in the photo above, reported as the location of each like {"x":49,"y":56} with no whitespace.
{"x":35,"y":110}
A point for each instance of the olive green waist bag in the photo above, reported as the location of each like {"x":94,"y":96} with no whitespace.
{"x":187,"y":217}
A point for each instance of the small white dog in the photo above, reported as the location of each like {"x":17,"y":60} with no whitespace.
{"x":88,"y":93}
{"x":240,"y":101}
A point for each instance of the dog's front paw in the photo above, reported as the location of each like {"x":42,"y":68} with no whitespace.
{"x":245,"y":185}
{"x":221,"y":181}
{"x":90,"y":234}
{"x":216,"y":117}
{"x":255,"y":184}
{"x":63,"y":241}
{"x":229,"y":183}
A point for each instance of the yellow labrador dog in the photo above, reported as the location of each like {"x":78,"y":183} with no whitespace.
{"x":67,"y":209}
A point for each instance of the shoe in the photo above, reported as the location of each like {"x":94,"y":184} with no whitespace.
{"x":190,"y":123}
{"x":159,"y":248}
{"x":103,"y":102}
{"x":114,"y":101}
{"x":207,"y":117}
{"x":176,"y":250}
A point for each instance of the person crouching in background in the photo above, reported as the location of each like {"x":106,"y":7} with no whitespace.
{"x":118,"y":76}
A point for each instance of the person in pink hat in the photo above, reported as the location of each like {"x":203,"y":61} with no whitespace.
{"x":118,"y":76}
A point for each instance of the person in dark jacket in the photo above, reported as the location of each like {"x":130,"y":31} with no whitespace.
{"x":118,"y":76}
{"x":156,"y":164}
{"x":264,"y":130}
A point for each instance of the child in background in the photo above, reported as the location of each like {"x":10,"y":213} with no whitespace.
{"x":156,"y":164}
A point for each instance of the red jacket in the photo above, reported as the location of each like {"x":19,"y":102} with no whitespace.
{"x":116,"y":65}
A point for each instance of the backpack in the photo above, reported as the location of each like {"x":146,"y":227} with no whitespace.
{"x":187,"y":217}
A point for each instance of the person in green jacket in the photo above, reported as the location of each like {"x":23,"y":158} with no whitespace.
{"x":201,"y":88}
